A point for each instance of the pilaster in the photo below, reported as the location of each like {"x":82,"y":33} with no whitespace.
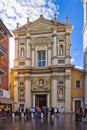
{"x":33,"y":56}
{"x":27,"y":92}
{"x":68,"y":60}
{"x":28,"y":63}
{"x":49,"y":55}
{"x":16,"y":93}
{"x":68,"y":91}
{"x":54,"y":50}
{"x":54,"y":91}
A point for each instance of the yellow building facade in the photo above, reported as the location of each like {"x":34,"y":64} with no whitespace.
{"x":77,"y":91}
{"x":43,"y":74}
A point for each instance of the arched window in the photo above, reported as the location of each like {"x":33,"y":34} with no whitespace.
{"x":61,"y":49}
{"x":22,"y":52}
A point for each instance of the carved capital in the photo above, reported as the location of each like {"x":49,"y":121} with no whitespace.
{"x":26,"y":77}
{"x":16,"y":77}
{"x":54,"y":77}
{"x":67,"y":76}
{"x":33,"y":48}
{"x":49,"y":47}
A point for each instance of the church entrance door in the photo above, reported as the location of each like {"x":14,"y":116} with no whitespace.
{"x":41,"y":100}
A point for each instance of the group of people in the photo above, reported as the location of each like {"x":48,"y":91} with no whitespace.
{"x":38,"y":110}
{"x":83,"y":112}
{"x":5,"y":112}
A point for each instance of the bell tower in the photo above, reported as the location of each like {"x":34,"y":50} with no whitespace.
{"x":85,"y":45}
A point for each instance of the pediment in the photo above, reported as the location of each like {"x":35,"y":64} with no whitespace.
{"x":40,"y":26}
{"x":43,"y":24}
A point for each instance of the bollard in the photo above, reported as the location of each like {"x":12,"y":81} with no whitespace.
{"x":32,"y":115}
{"x":22,"y":115}
{"x":52,"y":116}
{"x":41,"y":115}
{"x":13,"y":115}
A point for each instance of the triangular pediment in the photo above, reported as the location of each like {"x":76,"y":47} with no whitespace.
{"x":40,"y":26}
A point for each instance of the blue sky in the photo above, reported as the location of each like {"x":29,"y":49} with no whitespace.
{"x":74,"y":10}
{"x":13,"y":11}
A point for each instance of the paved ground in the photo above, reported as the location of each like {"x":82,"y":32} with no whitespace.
{"x":62,"y":122}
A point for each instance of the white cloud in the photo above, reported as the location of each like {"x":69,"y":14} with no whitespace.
{"x":13,"y":11}
{"x":79,"y":67}
{"x":72,"y":60}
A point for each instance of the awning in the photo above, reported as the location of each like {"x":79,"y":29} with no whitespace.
{"x":6,"y":101}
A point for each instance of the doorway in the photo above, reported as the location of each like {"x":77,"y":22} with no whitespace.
{"x":77,"y":105}
{"x":41,"y":100}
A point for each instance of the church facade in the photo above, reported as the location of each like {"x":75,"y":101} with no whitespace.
{"x":43,"y":74}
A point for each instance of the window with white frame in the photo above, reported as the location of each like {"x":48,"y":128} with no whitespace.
{"x":78,"y":84}
{"x":41,"y":58}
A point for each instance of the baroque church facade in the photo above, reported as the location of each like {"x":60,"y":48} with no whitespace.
{"x":43,"y":74}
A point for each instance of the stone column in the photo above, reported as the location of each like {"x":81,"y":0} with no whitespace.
{"x":54,"y":50}
{"x":16,"y":105}
{"x":27,"y":92}
{"x":33,"y":55}
{"x":34,"y":100}
{"x":28,"y":49}
{"x":49,"y":55}
{"x":54,"y":91}
{"x":82,"y":103}
{"x":73,"y":105}
{"x":48,"y":101}
{"x":68,"y":91}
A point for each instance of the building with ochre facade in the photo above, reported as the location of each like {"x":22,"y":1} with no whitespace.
{"x":43,"y":74}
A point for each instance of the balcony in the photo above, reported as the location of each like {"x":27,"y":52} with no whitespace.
{"x":2,"y":51}
{"x":2,"y":70}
